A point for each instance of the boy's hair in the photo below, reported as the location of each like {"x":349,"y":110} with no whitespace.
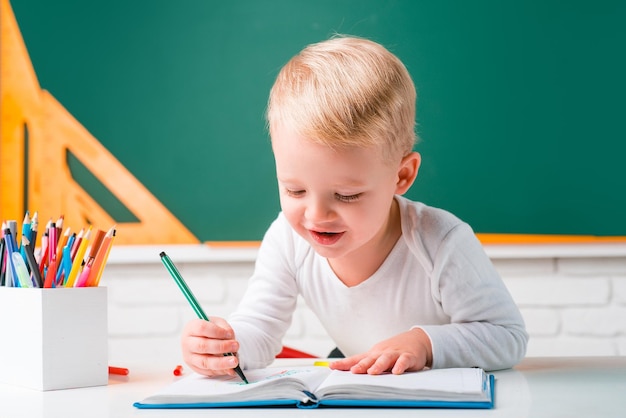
{"x":346,"y":92}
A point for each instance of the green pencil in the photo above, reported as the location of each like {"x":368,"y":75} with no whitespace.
{"x":178,"y":278}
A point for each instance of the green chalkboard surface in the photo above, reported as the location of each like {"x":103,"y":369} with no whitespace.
{"x":521,"y":104}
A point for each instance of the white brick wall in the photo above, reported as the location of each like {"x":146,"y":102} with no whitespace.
{"x":572,"y":297}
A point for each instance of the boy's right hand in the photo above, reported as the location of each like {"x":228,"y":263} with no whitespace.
{"x":204,"y":344}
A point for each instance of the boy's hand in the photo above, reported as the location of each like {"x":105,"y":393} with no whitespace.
{"x":406,"y":352}
{"x":204,"y":344}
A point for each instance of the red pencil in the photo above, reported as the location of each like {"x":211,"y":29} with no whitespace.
{"x":178,"y":370}
{"x":118,"y":370}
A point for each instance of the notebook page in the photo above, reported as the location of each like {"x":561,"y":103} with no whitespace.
{"x":431,"y":384}
{"x":269,"y":383}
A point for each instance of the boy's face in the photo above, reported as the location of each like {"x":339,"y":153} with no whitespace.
{"x":338,"y":200}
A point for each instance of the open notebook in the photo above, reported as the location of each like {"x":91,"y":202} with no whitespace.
{"x":309,"y":387}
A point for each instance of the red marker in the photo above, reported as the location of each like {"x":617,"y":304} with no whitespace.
{"x":118,"y":370}
{"x":178,"y":370}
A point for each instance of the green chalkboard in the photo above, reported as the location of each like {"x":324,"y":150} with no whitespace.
{"x":521,"y":104}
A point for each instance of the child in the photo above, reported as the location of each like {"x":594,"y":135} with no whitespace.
{"x":398,"y":285}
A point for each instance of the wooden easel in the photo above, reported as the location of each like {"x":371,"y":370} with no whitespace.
{"x":43,"y":176}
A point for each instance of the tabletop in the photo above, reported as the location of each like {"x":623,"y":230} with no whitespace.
{"x":537,"y":387}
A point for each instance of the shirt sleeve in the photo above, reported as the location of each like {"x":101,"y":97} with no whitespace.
{"x":486,"y":328}
{"x":265,"y":312}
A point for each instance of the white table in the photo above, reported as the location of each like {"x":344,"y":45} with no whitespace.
{"x":537,"y":387}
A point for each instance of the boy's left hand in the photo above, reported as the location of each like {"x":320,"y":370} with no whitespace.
{"x":406,"y":352}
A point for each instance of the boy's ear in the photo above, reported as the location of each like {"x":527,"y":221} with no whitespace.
{"x":407,"y":172}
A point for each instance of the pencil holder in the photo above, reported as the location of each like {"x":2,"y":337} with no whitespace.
{"x":54,"y":338}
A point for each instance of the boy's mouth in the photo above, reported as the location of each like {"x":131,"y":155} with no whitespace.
{"x":326,"y":238}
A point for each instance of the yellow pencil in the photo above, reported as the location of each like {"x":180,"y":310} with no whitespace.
{"x":78,"y":259}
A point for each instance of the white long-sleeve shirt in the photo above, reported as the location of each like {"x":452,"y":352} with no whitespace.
{"x":437,"y":277}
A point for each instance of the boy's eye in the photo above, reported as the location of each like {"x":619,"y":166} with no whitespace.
{"x":350,"y":198}
{"x":294,"y":193}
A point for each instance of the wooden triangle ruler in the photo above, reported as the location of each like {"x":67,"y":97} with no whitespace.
{"x":41,"y":175}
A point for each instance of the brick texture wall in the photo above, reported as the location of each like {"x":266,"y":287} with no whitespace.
{"x":573,"y":298}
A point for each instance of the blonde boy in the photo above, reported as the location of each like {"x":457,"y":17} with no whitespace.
{"x":398,"y":285}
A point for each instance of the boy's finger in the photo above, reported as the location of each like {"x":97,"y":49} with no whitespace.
{"x":383,"y":363}
{"x":363,"y":365}
{"x":346,"y":363}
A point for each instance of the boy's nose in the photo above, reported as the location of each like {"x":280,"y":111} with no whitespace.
{"x":318,"y":211}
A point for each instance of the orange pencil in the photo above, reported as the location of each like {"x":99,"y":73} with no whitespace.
{"x":101,"y":258}
{"x":62,"y":243}
{"x":96,"y":242}
{"x":51,"y":274}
